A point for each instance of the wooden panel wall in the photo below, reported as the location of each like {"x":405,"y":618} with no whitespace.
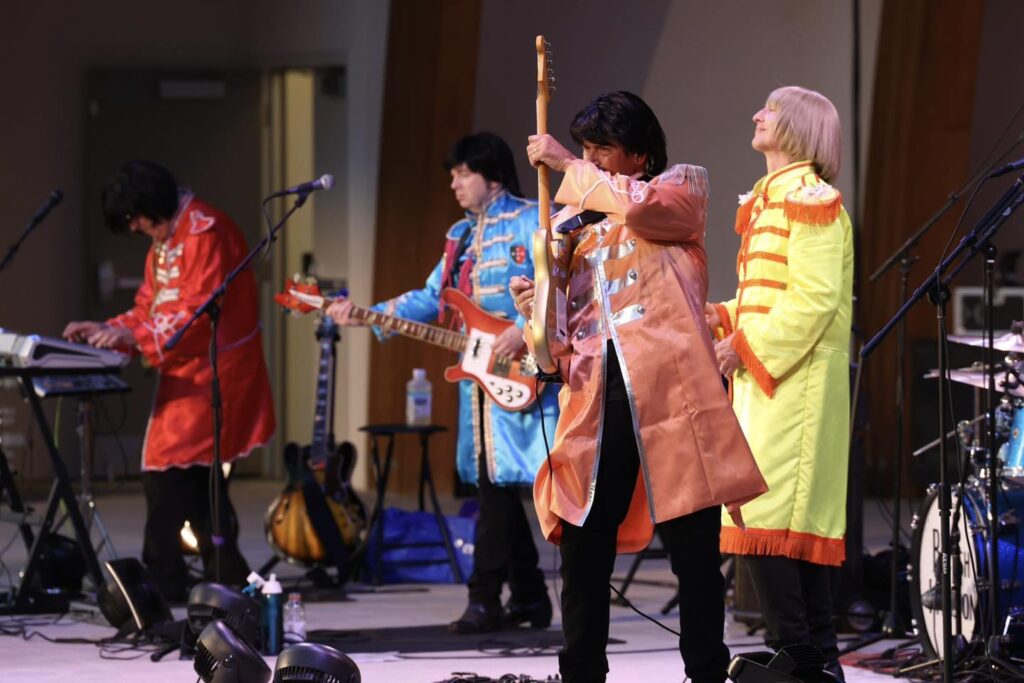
{"x":918,"y":154}
{"x":428,"y":104}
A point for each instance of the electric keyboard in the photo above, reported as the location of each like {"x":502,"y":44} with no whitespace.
{"x":35,"y":351}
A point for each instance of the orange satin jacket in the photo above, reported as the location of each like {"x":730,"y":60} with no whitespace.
{"x":639,"y":279}
{"x":203,"y":247}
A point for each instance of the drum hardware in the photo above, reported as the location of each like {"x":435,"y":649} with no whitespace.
{"x":1008,"y":520}
{"x":1011,"y":342}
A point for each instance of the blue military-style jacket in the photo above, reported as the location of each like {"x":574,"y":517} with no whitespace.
{"x":497,"y":247}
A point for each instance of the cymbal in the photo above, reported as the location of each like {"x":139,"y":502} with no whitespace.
{"x":978,"y":377}
{"x":1010,"y":342}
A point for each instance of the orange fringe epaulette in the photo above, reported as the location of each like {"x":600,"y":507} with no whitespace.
{"x":743,"y":214}
{"x":753,"y":364}
{"x":814,"y":205}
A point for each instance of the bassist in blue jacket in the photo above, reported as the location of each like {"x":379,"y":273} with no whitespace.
{"x":498,"y":450}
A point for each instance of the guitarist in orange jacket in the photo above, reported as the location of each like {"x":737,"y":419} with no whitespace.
{"x":498,"y":450}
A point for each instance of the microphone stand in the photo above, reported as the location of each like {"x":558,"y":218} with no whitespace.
{"x":935,"y":288}
{"x":893,"y":624}
{"x":212,"y":309}
{"x":36,"y":219}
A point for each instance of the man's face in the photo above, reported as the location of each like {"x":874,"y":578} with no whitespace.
{"x":147,"y":226}
{"x":472,"y":191}
{"x":613,"y":159}
{"x":765,"y":121}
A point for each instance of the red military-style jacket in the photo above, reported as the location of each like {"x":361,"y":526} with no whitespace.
{"x":639,"y":280}
{"x":203,"y":246}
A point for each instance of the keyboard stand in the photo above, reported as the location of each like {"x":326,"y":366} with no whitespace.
{"x":28,"y":598}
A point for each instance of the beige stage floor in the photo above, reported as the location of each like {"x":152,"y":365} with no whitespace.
{"x":647,"y":653}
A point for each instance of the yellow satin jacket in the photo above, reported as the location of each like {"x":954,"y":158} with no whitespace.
{"x":790,"y":323}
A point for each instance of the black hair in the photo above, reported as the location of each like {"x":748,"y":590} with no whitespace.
{"x":140,"y":188}
{"x":622,"y":118}
{"x":487,"y":154}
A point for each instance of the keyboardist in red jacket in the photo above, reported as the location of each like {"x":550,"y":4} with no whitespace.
{"x":194,"y":247}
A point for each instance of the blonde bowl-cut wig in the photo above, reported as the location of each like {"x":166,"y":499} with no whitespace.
{"x":808,"y":127}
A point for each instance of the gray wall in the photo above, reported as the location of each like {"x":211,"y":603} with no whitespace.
{"x":46,"y":50}
{"x":704,"y":67}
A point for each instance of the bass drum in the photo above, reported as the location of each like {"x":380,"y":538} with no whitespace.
{"x":926,"y":568}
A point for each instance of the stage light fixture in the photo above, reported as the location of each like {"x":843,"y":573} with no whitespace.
{"x":315,"y":663}
{"x":210,"y":601}
{"x":222,"y":656}
{"x":189,"y":540}
{"x":131,"y":600}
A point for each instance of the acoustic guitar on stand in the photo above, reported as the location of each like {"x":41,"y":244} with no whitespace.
{"x":510,"y":382}
{"x":548,"y":320}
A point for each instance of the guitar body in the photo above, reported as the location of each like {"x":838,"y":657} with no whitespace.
{"x":548,"y":320}
{"x":287,"y":523}
{"x":512,"y":384}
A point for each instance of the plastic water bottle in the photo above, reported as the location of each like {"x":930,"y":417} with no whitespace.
{"x":417,"y":398}
{"x":294,"y":620}
{"x":273,"y":616}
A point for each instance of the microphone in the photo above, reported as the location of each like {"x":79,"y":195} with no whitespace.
{"x":1008,"y":168}
{"x":324,"y":182}
{"x":53,"y":200}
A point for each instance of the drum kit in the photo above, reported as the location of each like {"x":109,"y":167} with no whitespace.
{"x":974,"y":513}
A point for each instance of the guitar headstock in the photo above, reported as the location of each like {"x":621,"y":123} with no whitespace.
{"x":301,"y":297}
{"x":545,"y":70}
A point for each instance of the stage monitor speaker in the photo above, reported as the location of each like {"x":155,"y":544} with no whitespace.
{"x":315,"y":663}
{"x":791,"y":664}
{"x":131,"y":600}
{"x":222,"y":656}
{"x":210,"y":601}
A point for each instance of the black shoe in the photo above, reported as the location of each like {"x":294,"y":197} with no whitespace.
{"x":538,"y":613}
{"x":836,"y":670}
{"x":478,"y":618}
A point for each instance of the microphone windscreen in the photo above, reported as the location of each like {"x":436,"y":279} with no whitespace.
{"x":327,"y":181}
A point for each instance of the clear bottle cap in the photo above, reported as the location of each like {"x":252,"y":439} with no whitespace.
{"x":419,"y":373}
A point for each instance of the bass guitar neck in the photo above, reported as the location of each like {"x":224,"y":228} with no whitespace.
{"x":510,"y":381}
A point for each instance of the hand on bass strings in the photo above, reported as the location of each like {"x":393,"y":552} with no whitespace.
{"x":341,"y":311}
{"x":522,"y":290}
{"x":510,"y":343}
{"x":544,"y":149}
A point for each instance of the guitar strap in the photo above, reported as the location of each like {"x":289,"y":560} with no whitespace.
{"x":326,"y":529}
{"x":453,"y":251}
{"x":583,"y":218}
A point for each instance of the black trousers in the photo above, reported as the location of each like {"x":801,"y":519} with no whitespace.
{"x":172,"y":497}
{"x":588,"y":558}
{"x":796,"y":602}
{"x":504,"y":549}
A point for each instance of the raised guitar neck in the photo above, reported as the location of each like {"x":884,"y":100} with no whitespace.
{"x":543,"y":99}
{"x":438,"y":336}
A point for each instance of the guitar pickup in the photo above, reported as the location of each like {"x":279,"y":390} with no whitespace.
{"x":502,"y":367}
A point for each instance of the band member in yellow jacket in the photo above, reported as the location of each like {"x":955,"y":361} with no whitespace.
{"x":784,"y":341}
